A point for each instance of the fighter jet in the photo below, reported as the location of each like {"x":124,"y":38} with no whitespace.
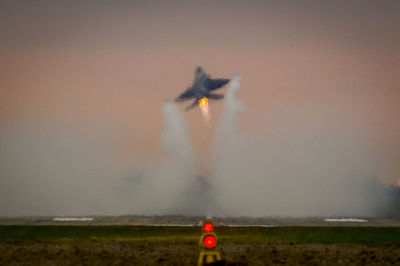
{"x":202,"y":87}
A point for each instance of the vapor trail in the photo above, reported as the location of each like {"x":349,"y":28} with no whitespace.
{"x":226,"y":134}
{"x":165,"y":182}
{"x":280,"y":177}
{"x":175,"y":137}
{"x":227,"y":151}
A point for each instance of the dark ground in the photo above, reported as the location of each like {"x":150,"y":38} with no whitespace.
{"x":186,"y":253}
{"x":177,"y":245}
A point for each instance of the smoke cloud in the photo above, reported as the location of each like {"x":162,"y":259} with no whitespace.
{"x":164,"y":183}
{"x":272,"y":178}
{"x":48,"y":172}
{"x":319,"y":136}
{"x":260,"y":179}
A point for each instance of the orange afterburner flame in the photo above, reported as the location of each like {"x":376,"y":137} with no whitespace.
{"x":203,"y":104}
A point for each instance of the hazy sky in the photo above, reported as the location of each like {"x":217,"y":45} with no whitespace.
{"x":318,"y":77}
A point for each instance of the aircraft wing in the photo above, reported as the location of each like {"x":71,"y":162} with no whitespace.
{"x":215,"y":96}
{"x":213,"y":84}
{"x":189,"y":93}
{"x":194,"y":104}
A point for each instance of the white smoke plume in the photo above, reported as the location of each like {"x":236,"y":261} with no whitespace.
{"x":164,"y":183}
{"x":291,"y":173}
{"x":303,"y":178}
{"x":176,"y":138}
{"x":226,"y":133}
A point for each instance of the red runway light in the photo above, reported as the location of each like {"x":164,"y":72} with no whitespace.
{"x":209,"y":241}
{"x":208,"y":227}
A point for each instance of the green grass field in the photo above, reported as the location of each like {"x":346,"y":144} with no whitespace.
{"x":296,"y":235}
{"x":174,"y":245}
